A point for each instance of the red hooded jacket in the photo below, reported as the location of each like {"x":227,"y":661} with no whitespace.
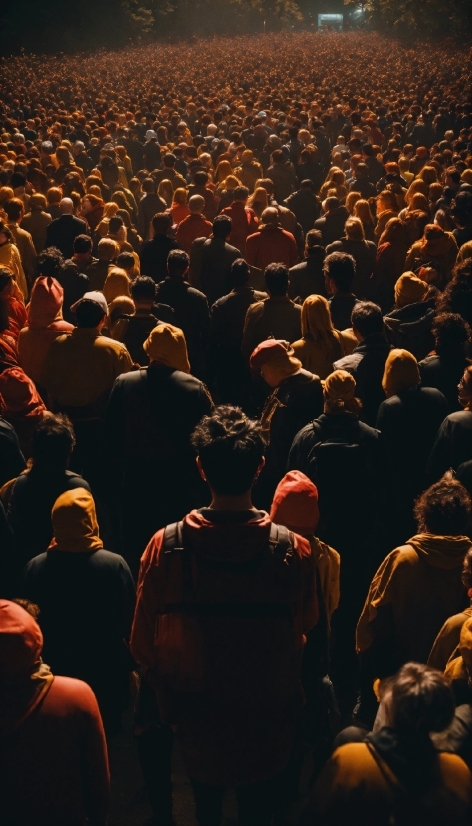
{"x":220,"y":630}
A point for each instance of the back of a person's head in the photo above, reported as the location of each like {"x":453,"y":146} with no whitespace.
{"x":88,"y":315}
{"x":367,"y":318}
{"x":177,"y":262}
{"x":230,"y":448}
{"x":201,"y":178}
{"x":240,"y":272}
{"x":115,"y":225}
{"x":53,"y":442}
{"x":14,"y":209}
{"x":222,"y":226}
{"x":444,"y":509}
{"x":161,"y":223}
{"x":50,"y":262}
{"x":451,"y":334}
{"x":276,"y":279}
{"x":143,"y":288}
{"x":313,"y":238}
{"x":107,"y":249}
{"x":278,"y":156}
{"x":82,"y":244}
{"x":241,"y":193}
{"x":341,"y":268}
{"x":149,"y":185}
{"x":418,"y":700}
{"x":354,"y":229}
{"x":125,"y":260}
{"x":307,"y":184}
{"x":196,"y":204}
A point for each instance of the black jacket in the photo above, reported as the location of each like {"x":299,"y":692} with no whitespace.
{"x":331,"y":225}
{"x":409,"y":328}
{"x":453,"y":445}
{"x":191,"y":315}
{"x":367,"y":363}
{"x":62,"y":232}
{"x":12,"y":461}
{"x":305,"y":206}
{"x":153,"y":256}
{"x":307,"y":278}
{"x":444,"y":374}
{"x":228,"y":315}
{"x":364,"y":254}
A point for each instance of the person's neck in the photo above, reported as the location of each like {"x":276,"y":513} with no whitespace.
{"x":220,"y":502}
{"x":143,"y":307}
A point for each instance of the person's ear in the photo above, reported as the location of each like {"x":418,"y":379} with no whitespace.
{"x":200,"y":469}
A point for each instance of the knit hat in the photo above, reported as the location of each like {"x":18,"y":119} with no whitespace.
{"x":276,"y":359}
{"x":340,"y":385}
{"x":409,"y":289}
{"x":18,"y":395}
{"x":401,"y":371}
{"x":74,"y":522}
{"x":295,"y":504}
{"x":166,"y":345}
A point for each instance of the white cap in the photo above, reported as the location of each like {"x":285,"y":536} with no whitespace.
{"x":150,"y":134}
{"x":95,"y":297}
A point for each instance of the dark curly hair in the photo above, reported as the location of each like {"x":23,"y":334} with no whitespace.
{"x":457,"y":297}
{"x":451,"y":333}
{"x":444,"y":509}
{"x":50,"y":262}
{"x":230,"y":447}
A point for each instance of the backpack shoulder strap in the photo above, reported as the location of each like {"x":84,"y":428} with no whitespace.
{"x":173,"y":538}
{"x":281,"y":543}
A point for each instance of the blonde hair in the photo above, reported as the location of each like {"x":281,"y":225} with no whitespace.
{"x":418,"y":185}
{"x":419,"y":201}
{"x":351,"y":200}
{"x":335,"y":176}
{"x":166,"y":191}
{"x":258,"y":201}
{"x":222,"y":171}
{"x":428,"y":174}
{"x":317,"y":324}
{"x":362,"y":210}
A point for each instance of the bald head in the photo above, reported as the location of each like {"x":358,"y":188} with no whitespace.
{"x":196,"y":204}
{"x":67,"y":206}
{"x":270,"y":217}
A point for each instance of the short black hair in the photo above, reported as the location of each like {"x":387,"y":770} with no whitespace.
{"x":53,"y":441}
{"x":276,"y":279}
{"x":241,"y":193}
{"x":177,"y":262}
{"x":125,"y":260}
{"x":115,"y":224}
{"x":451,"y":333}
{"x":367,"y":318}
{"x":88,"y":314}
{"x":200,"y":178}
{"x":82,"y":244}
{"x":444,"y":509}
{"x":341,"y":267}
{"x":230,"y":447}
{"x":50,"y":262}
{"x":307,"y":183}
{"x":222,"y":226}
{"x":143,"y":287}
{"x":240,"y":272}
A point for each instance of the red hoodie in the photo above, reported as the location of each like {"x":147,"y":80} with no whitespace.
{"x":219,"y":628}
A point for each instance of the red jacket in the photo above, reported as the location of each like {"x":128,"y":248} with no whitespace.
{"x":244,"y":224}
{"x":220,"y":632}
{"x":271,"y":245}
{"x":54,"y":767}
{"x":192,"y":227}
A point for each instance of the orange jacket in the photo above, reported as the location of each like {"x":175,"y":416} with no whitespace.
{"x":271,"y":245}
{"x":192,"y":227}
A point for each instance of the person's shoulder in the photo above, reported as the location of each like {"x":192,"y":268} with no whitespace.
{"x":460,"y":417}
{"x":71,"y":695}
{"x":103,"y":342}
{"x":350,"y":362}
{"x":257,"y":308}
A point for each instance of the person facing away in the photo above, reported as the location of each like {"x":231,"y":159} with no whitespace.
{"x":86,"y":597}
{"x":409,"y":420}
{"x":396,"y":774}
{"x":143,"y":433}
{"x":320,"y":344}
{"x":275,"y":316}
{"x":296,"y":397}
{"x":227,"y":581}
{"x":364,"y":253}
{"x":307,"y":278}
{"x":448,"y":639}
{"x":271,"y":243}
{"x":243,"y":218}
{"x":453,"y":445}
{"x":190,"y":307}
{"x":134,"y":328}
{"x":417,"y":587}
{"x":194,"y":225}
{"x":228,"y":315}
{"x":53,"y":760}
{"x":34,"y":492}
{"x":339,"y":270}
{"x":216,"y":258}
{"x":62,"y":231}
{"x":153,"y":253}
{"x":444,"y":368}
{"x":367,"y":361}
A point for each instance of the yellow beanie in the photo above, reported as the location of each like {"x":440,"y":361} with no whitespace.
{"x":409,"y":289}
{"x":340,"y":385}
{"x":401,"y":371}
{"x":166,"y":344}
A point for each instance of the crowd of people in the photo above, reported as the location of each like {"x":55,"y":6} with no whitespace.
{"x":236,"y":429}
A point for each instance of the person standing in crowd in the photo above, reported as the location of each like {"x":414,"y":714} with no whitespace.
{"x":55,"y":769}
{"x":248,"y":688}
{"x":243,"y":219}
{"x":87,"y":637}
{"x":308,"y":278}
{"x":320,"y":345}
{"x":153,"y":253}
{"x":216,"y":257}
{"x":453,"y":444}
{"x":271,"y":243}
{"x":62,"y":231}
{"x":276,"y":316}
{"x":143,"y":434}
{"x":444,"y":368}
{"x":339,"y":270}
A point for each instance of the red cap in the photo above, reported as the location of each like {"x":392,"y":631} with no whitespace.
{"x":295,"y":504}
{"x":268,"y":351}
